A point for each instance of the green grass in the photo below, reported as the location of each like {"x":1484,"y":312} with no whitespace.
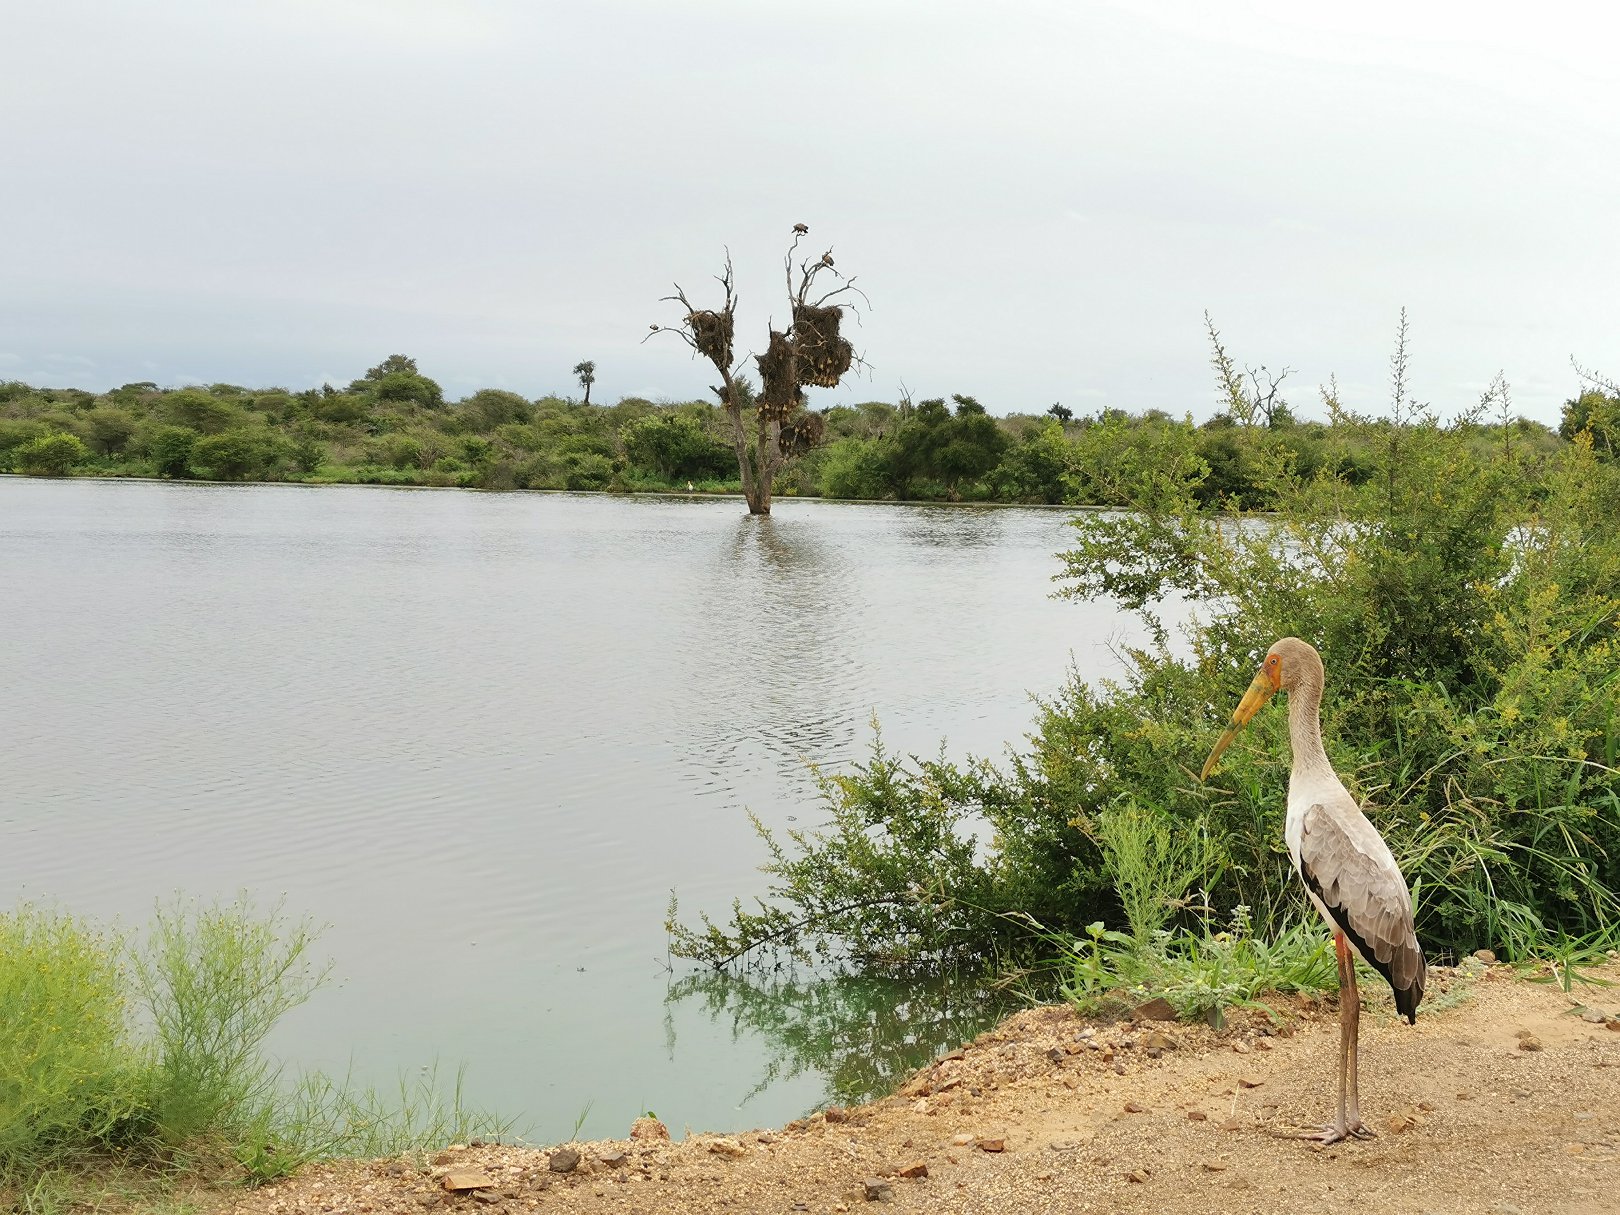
{"x":1201,"y":973}
{"x":137,"y":1062}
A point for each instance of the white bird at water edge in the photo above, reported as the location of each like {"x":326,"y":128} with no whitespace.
{"x":1346,"y":867}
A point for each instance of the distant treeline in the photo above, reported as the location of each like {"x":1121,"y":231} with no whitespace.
{"x":393,"y":426}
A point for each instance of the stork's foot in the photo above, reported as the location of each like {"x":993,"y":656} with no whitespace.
{"x":1338,"y":1132}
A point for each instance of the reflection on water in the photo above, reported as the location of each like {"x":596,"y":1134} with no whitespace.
{"x":859,"y":1036}
{"x":482,"y":736}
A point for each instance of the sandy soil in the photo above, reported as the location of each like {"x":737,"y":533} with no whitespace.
{"x":1503,"y":1099}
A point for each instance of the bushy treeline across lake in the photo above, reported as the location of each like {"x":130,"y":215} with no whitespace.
{"x":393,"y":426}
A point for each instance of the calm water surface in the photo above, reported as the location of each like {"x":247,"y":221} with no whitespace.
{"x":482,"y":737}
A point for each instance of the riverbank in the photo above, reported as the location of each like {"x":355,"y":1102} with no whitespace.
{"x":1503,"y":1098}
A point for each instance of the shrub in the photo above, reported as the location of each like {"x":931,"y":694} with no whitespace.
{"x":65,"y":1058}
{"x":51,"y":455}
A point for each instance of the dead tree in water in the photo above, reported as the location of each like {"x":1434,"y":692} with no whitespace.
{"x":772,"y":428}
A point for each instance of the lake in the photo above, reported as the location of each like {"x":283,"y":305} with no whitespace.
{"x":481,"y":737}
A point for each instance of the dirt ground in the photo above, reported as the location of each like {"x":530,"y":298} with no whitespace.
{"x":1503,"y":1099}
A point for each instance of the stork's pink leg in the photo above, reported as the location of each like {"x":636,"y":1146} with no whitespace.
{"x":1349,"y":1122}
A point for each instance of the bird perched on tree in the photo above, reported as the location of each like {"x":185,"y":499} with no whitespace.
{"x":1348,"y":870}
{"x":801,"y":229}
{"x":826,"y":258}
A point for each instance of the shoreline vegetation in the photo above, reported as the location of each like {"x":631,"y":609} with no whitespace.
{"x":393,"y":426}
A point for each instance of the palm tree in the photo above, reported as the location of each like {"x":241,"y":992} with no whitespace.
{"x":586,"y":371}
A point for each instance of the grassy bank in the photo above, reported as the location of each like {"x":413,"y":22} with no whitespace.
{"x":130,"y":1063}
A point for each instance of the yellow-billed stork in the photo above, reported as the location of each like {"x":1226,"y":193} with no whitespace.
{"x":1346,"y":867}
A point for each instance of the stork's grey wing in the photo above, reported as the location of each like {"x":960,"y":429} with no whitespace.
{"x":1347,"y":865}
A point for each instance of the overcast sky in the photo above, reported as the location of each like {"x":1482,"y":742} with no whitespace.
{"x":1041,"y":199}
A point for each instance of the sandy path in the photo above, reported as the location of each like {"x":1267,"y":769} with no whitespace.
{"x":1468,"y":1120}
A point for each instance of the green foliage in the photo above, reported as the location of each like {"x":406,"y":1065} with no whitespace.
{"x":235,"y":455}
{"x":50,"y":455}
{"x":1463,"y":586}
{"x":64,"y":1053}
{"x":152,"y":1053}
{"x":676,"y":447}
{"x":1201,"y":972}
{"x":169,"y":448}
{"x":215,"y":980}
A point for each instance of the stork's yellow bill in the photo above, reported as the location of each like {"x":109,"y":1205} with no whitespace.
{"x":1262,"y":688}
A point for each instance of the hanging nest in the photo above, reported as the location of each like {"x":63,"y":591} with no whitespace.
{"x":779,"y":393}
{"x":711,"y":334}
{"x":824,"y":357}
{"x":801,"y":432}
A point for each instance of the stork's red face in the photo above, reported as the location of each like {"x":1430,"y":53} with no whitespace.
{"x":1266,"y":683}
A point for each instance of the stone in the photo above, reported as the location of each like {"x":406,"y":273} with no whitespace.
{"x":1231,"y":1124}
{"x":917,"y":1168}
{"x":727,"y":1147}
{"x":563,"y":1160}
{"x":485,"y":1196}
{"x":1132,"y":1107}
{"x":612,"y":1159}
{"x":467,"y":1179}
{"x":1487,"y":956}
{"x":1197,"y":1116}
{"x":1240,"y":1048}
{"x":836,"y":1113}
{"x":1614,"y":1025}
{"x":649,"y":1128}
{"x":962,"y":1140}
{"x":1529,"y":1042}
{"x":1595,"y":1016}
{"x":1156,"y":1009}
{"x":1138,"y":1176}
{"x":997,"y":1144}
{"x":877,"y":1190}
{"x":1244,"y":1082}
{"x":1214,"y":1166}
{"x":1399,"y":1124}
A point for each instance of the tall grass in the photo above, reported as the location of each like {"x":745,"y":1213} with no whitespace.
{"x":150,"y":1053}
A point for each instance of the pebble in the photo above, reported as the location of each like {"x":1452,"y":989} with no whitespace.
{"x":1595,"y":1016}
{"x":727,"y":1147}
{"x":916,"y":1168}
{"x":1132,"y":1107}
{"x":993,"y":1145}
{"x":1197,"y":1116}
{"x":1529,"y":1041}
{"x":1244,"y":1082}
{"x":1486,"y":956}
{"x":1214,"y":1166}
{"x":563,"y":1160}
{"x":962,"y":1140}
{"x":877,"y":1190}
{"x":835,"y":1113}
{"x":648,"y":1128}
{"x":1138,"y":1176}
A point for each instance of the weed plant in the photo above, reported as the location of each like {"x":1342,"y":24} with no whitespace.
{"x":147,"y":1055}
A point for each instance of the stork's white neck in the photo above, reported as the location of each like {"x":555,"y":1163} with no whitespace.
{"x":1305,"y":732}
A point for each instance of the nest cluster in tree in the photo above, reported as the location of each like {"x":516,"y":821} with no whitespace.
{"x":801,"y":432}
{"x":824,"y":357}
{"x":779,"y":379}
{"x":711,"y":334}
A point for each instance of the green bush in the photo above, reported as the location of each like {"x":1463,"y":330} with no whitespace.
{"x":169,"y":448}
{"x":68,"y":1073}
{"x":1465,"y":604}
{"x":51,"y":455}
